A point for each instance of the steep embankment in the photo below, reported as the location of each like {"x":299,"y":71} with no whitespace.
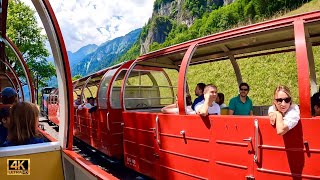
{"x":263,"y":74}
{"x":208,"y":17}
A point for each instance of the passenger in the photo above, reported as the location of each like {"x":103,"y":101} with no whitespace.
{"x":208,"y":105}
{"x":314,"y":99}
{"x":174,"y":109}
{"x":4,"y":120}
{"x":283,"y":113}
{"x":198,"y":92}
{"x":241,"y":104}
{"x":23,"y":125}
{"x":220,"y":101}
{"x":77,"y":102}
{"x":316,"y":104}
{"x":94,"y":108}
{"x":9,"y":95}
{"x":88,"y":105}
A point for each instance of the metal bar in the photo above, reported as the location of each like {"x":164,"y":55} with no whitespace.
{"x":256,"y":136}
{"x":108,"y":127}
{"x":157,"y":130}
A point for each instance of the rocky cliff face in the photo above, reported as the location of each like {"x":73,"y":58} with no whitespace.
{"x":226,"y":2}
{"x":170,"y":12}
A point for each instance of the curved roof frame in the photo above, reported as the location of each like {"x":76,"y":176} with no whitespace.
{"x":16,"y":78}
{"x":24,"y":66}
{"x":296,"y":33}
{"x":61,"y":61}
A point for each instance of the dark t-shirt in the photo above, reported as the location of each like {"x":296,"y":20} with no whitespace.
{"x":197,"y":100}
{"x":3,"y":134}
{"x":33,"y":140}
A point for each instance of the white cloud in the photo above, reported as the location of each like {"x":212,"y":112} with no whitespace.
{"x":95,"y":21}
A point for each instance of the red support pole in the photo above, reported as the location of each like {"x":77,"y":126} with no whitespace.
{"x":302,"y":68}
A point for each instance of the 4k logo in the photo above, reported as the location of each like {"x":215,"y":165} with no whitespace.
{"x":18,"y":166}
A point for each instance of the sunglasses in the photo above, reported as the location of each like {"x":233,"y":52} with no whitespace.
{"x":280,"y":100}
{"x":243,"y":89}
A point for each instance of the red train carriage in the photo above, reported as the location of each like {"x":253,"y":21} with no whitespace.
{"x":180,"y":146}
{"x":101,"y":128}
{"x":53,"y":106}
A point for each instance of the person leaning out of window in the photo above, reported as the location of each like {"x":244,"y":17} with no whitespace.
{"x":283,"y":113}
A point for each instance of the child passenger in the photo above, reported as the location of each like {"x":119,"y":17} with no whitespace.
{"x":283,"y":113}
{"x":23,"y":125}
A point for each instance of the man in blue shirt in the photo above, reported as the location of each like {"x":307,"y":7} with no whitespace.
{"x":241,"y":104}
{"x":198,"y":92}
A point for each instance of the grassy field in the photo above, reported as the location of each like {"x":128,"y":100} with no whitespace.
{"x":263,"y":73}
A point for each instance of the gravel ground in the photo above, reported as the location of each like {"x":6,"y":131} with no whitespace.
{"x":50,"y":128}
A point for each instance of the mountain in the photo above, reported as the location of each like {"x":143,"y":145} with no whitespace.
{"x":105,"y":54}
{"x":76,"y":57}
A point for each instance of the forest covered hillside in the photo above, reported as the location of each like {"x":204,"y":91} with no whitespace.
{"x":258,"y":71}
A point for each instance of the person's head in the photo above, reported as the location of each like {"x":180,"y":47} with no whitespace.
{"x":220,"y":98}
{"x":188,"y":100}
{"x":9,"y":95}
{"x":212,"y":90}
{"x":316,"y":105}
{"x":199,"y":89}
{"x":78,"y":97}
{"x":91,"y":101}
{"x":282,"y":98}
{"x":4,"y":116}
{"x":244,"y":89}
{"x":23,"y":123}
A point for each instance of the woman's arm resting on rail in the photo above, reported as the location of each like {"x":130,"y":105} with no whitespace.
{"x":282,"y":128}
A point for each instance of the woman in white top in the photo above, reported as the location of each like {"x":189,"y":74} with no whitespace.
{"x":283,"y":113}
{"x":174,"y":109}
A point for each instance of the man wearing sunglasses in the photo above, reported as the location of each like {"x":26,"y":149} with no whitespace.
{"x":241,"y":104}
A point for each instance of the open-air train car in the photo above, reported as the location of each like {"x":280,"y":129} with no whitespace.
{"x":103,"y":128}
{"x":45,"y":93}
{"x":53,"y":106}
{"x":180,"y":146}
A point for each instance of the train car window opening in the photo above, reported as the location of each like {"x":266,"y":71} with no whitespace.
{"x":104,"y":84}
{"x":150,"y":88}
{"x":315,"y":93}
{"x":116,"y":89}
{"x":223,"y":76}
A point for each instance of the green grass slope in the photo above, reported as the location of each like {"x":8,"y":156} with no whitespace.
{"x":263,"y":73}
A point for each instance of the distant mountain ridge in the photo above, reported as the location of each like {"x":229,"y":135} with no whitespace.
{"x":75,"y":58}
{"x":92,"y":58}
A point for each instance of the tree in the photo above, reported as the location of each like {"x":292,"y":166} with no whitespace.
{"x":23,"y":30}
{"x":78,"y":76}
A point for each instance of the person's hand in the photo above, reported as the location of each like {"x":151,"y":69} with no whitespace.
{"x":272,"y":117}
{"x":209,"y":98}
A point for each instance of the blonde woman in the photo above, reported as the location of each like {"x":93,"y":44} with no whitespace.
{"x":23,"y":125}
{"x":283,"y":113}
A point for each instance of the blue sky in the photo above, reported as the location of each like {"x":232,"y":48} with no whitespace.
{"x":86,"y":22}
